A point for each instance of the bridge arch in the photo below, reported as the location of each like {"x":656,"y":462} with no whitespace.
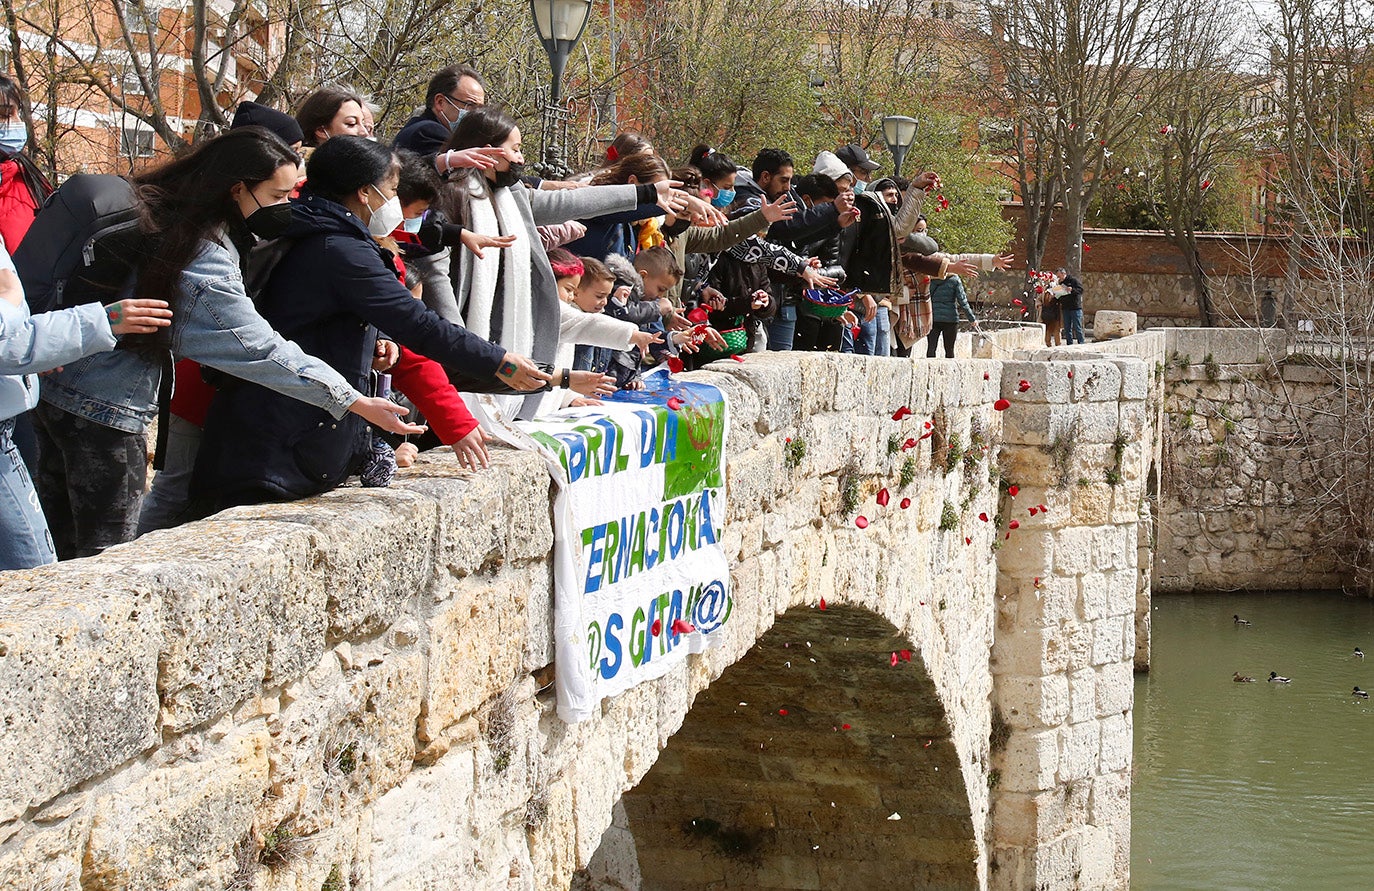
{"x":812,"y":762}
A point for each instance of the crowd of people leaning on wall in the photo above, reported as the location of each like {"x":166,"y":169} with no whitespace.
{"x":298,"y":303}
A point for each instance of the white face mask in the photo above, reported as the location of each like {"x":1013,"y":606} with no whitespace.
{"x":386,"y":218}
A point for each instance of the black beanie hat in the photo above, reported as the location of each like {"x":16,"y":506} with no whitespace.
{"x":250,"y":113}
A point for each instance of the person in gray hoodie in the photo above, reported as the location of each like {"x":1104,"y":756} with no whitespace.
{"x":30,"y":345}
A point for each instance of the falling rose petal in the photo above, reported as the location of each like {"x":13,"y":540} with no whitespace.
{"x":1033,"y":511}
{"x":656,"y":628}
{"x":675,"y":364}
{"x":1070,"y":374}
{"x":1037,"y":581}
{"x":906,"y":502}
{"x":968,"y":541}
{"x":909,"y":444}
{"x":928,"y":434}
{"x":681,"y":627}
{"x":697,"y":316}
{"x":675,"y":403}
{"x":1023,"y":385}
{"x":854,"y":332}
{"x":903,"y":412}
{"x":905,"y":654}
{"x":1014,"y":524}
{"x":1017,"y":301}
{"x":893,"y":663}
{"x":844,"y":727}
{"x":1013,"y":491}
{"x":861,"y":521}
{"x":1206,"y":184}
{"x":1001,"y":405}
{"x":1008,"y":537}
{"x":738,"y":358}
{"x":1043,"y":509}
{"x":883,"y":497}
{"x":985,"y":375}
{"x":822,"y":603}
{"x":783,"y":712}
{"x":788,"y":439}
{"x":983,"y":516}
{"x":1086,"y":247}
{"x":928,"y":425}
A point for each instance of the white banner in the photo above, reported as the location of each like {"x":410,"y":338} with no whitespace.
{"x":640,"y":575}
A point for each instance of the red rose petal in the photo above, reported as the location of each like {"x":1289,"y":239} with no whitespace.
{"x":681,"y":627}
{"x":1014,"y":524}
{"x":909,"y":444}
{"x":675,"y":364}
{"x":1013,"y":491}
{"x":675,"y":403}
{"x":1071,"y":374}
{"x":656,"y":628}
{"x":844,"y":726}
{"x":822,"y":603}
{"x":1001,"y":405}
{"x":903,"y":412}
{"x":894,"y":660}
{"x":927,"y":745}
{"x":985,"y":375}
{"x":861,"y":521}
{"x":928,"y":425}
{"x":783,"y":712}
{"x":1008,"y":537}
{"x":883,"y":497}
{"x":1023,"y":386}
{"x":968,"y":541}
{"x":928,"y":434}
{"x":905,"y":654}
{"x":906,"y":502}
{"x":697,"y":316}
{"x":1043,"y":509}
{"x":1033,"y":511}
{"x":738,"y":358}
{"x":983,"y":516}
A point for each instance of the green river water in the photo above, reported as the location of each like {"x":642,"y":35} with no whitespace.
{"x":1255,"y":786}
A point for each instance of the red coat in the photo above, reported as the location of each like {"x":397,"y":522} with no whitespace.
{"x":17,"y":207}
{"x":426,"y":384}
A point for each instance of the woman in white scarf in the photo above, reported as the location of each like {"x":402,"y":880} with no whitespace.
{"x":509,"y":296}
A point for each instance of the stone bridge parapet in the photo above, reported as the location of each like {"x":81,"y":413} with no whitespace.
{"x":353,"y":691}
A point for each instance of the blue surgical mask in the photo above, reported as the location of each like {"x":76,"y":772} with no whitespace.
{"x":413,"y":224}
{"x":13,"y":137}
{"x":724,"y":198}
{"x":859,"y":186}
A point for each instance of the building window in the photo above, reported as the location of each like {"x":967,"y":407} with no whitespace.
{"x":130,"y":85}
{"x":135,"y":143}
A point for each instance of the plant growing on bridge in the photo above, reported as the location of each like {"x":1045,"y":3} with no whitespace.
{"x":908,"y":475}
{"x":954,"y":451}
{"x":283,"y":846}
{"x":794,"y":450}
{"x":949,"y":518}
{"x":849,"y":492}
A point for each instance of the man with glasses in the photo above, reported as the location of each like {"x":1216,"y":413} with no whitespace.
{"x":452,"y":93}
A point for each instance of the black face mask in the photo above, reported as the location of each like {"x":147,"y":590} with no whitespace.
{"x":270,"y":221}
{"x":504,"y":179}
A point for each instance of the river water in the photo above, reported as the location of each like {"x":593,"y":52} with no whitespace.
{"x":1255,"y":786}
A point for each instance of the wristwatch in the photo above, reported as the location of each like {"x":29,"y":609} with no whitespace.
{"x":567,"y":379}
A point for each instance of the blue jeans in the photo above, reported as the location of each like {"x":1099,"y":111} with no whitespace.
{"x":24,"y":538}
{"x":1073,"y":324}
{"x":875,"y":337}
{"x":783,"y":329}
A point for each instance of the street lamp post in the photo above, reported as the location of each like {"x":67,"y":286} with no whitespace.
{"x":560,"y":24}
{"x":899,"y":132}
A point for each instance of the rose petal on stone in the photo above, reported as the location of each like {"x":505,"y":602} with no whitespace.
{"x":895,"y":816}
{"x":1070,"y":374}
{"x":1023,"y":385}
{"x":968,"y":541}
{"x":1013,"y":490}
{"x":1043,"y":509}
{"x":985,"y":376}
{"x":883,"y":497}
{"x":675,"y":364}
{"x":909,"y":444}
{"x":1033,"y":511}
{"x":1001,"y":405}
{"x":927,"y":745}
{"x":861,"y":521}
{"x":906,"y":502}
{"x":983,"y":516}
{"x":903,"y":412}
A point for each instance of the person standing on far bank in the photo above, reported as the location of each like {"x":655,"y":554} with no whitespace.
{"x":1071,"y":306}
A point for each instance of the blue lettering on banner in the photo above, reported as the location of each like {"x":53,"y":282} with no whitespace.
{"x":706,"y":606}
{"x":623,"y":548}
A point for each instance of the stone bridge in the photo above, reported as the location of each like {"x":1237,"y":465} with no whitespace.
{"x":355,"y":691}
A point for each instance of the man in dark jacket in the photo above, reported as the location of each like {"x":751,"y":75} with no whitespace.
{"x":1071,"y":305}
{"x":771,"y":177}
{"x":452,"y":93}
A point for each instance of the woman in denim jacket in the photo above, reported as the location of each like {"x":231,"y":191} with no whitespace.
{"x":200,"y":214}
{"x":30,"y":345}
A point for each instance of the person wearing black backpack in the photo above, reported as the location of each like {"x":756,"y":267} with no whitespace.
{"x":198,"y":215}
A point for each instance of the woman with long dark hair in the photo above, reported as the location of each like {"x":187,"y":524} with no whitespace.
{"x":200,"y":215}
{"x":332,"y":110}
{"x":510,"y":295}
{"x":331,"y":292}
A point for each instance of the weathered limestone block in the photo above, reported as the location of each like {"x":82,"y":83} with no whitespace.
{"x":1116,"y":742}
{"x":1049,"y":382}
{"x":1115,"y":688}
{"x":47,"y":857}
{"x":422,"y":833}
{"x":78,"y":679}
{"x":752,"y":479}
{"x":1030,"y":761}
{"x":1032,"y":702}
{"x":773,"y":378}
{"x":1096,"y":382}
{"x":1111,"y":324}
{"x":1079,"y":750}
{"x":1082,"y":695}
{"x":177,"y":825}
